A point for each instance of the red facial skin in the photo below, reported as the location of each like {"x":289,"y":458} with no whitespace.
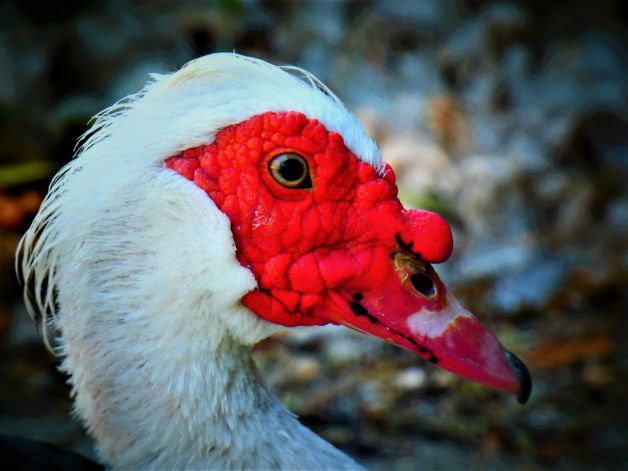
{"x":326,"y":253}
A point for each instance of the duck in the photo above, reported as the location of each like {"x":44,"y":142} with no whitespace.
{"x":222,"y":203}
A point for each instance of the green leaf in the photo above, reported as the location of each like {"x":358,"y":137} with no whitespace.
{"x":18,"y":174}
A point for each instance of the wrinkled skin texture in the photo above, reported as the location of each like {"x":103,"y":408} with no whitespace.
{"x":300,"y":243}
{"x":342,"y":251}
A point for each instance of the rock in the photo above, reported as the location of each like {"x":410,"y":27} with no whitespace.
{"x":531,"y":287}
{"x":446,"y":119}
{"x":306,"y":369}
{"x":419,"y":163}
{"x":617,"y":214}
{"x":410,"y":379}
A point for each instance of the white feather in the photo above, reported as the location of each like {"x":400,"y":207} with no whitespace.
{"x":134,"y":267}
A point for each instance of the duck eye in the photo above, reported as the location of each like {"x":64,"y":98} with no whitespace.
{"x":423,"y":284}
{"x":290,"y":170}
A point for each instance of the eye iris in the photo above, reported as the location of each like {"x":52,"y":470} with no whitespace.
{"x":291,"y":169}
{"x":423,"y":284}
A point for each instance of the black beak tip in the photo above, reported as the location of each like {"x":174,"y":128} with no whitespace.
{"x":523,"y":375}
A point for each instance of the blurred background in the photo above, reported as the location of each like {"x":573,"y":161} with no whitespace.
{"x":509,"y":118}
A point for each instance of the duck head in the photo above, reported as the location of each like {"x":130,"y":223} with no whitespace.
{"x":328,"y":241}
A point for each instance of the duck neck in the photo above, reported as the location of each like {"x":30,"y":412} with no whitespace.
{"x":189,"y":404}
{"x":160,"y":363}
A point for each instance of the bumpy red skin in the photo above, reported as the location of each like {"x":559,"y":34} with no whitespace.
{"x":302,"y":244}
{"x":326,"y":253}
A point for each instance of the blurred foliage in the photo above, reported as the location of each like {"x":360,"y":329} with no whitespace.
{"x":19,"y":174}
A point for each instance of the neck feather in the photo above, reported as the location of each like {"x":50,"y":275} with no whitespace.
{"x":157,"y":343}
{"x":194,"y":409}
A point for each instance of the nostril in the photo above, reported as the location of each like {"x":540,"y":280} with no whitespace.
{"x":423,"y":284}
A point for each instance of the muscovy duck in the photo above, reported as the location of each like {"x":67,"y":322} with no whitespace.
{"x":221,"y":203}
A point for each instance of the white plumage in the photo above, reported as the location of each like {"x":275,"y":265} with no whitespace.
{"x":142,"y":266}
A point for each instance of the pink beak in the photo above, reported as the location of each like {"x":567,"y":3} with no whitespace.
{"x":440,"y":330}
{"x":462,"y":345}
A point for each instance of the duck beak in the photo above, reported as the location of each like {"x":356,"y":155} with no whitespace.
{"x":440,"y":330}
{"x":459,"y":343}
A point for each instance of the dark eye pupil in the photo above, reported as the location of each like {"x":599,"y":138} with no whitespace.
{"x":291,"y":169}
{"x":423,"y":284}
